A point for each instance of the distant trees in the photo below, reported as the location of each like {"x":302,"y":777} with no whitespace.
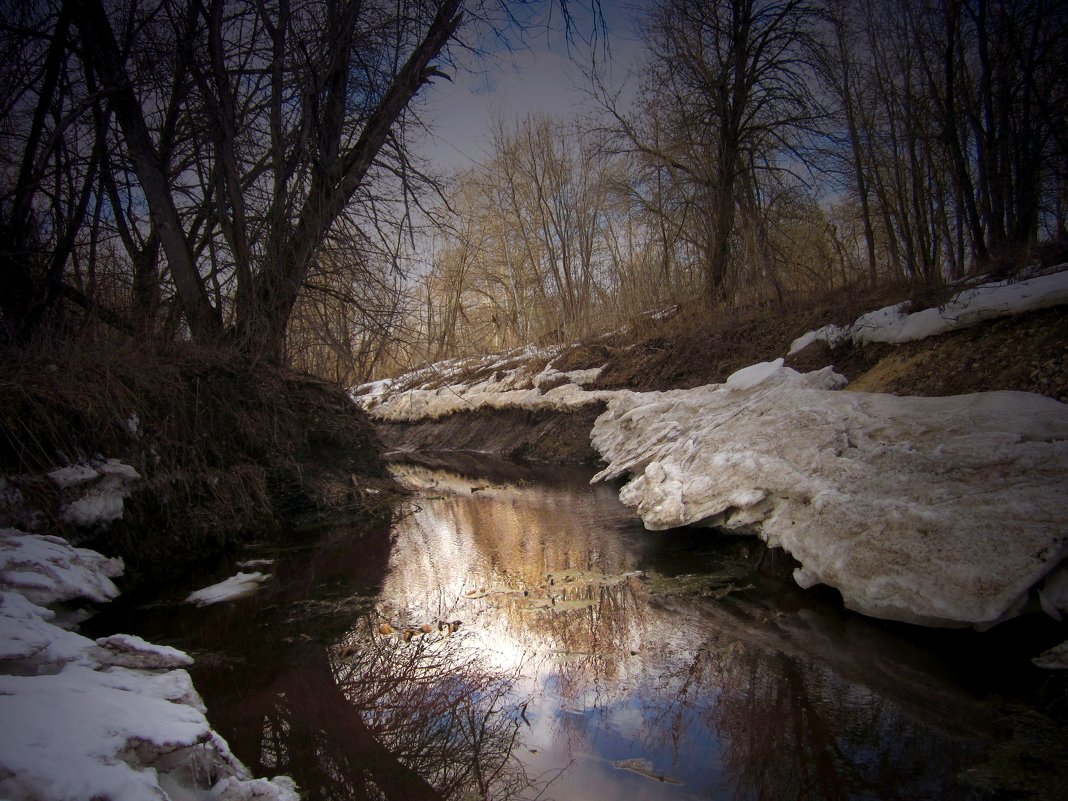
{"x":527,"y":257}
{"x":773,"y":149}
{"x":730,"y":101}
{"x":953,"y":114}
{"x":548,"y":242}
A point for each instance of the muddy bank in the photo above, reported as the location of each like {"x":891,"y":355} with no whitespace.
{"x":219,"y":451}
{"x":536,"y":434}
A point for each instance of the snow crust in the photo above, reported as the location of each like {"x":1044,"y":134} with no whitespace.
{"x":104,"y":500}
{"x":940,"y":511}
{"x":117,"y":718}
{"x":506,"y":387}
{"x":72,"y":476}
{"x":238,"y":586}
{"x":47,"y":569}
{"x":1056,"y":658}
{"x":968,"y":307}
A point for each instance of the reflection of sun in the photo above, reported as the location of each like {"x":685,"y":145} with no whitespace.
{"x":528,"y":570}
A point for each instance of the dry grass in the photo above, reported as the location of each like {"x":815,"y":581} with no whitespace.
{"x":225,"y":451}
{"x":699,"y":346}
{"x":696,"y":347}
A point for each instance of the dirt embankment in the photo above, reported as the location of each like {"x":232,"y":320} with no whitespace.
{"x":226,"y":451}
{"x":1026,"y":352}
{"x":540,"y":436}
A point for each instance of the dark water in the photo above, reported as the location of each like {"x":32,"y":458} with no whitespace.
{"x":592,"y":660}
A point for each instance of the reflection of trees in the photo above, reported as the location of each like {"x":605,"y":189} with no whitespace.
{"x":378,"y":718}
{"x":388,"y":720}
{"x":313,"y":732}
{"x":508,"y":540}
{"x":436,"y":707}
{"x":794,"y":729}
{"x":783,"y":732}
{"x":774,"y":695}
{"x":800,"y":706}
{"x":763,"y":695}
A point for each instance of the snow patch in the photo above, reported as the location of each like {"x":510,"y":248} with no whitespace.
{"x":941,"y":511}
{"x":47,"y":569}
{"x":238,"y":586}
{"x":1056,"y":658}
{"x":103,"y":501}
{"x":967,"y":308}
{"x":72,"y":476}
{"x":117,"y":718}
{"x":130,"y":651}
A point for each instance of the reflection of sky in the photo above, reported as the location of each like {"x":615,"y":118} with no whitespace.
{"x":750,"y":706}
{"x":576,"y":667}
{"x":541,"y":74}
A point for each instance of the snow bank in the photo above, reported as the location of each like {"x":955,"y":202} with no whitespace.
{"x":969,"y":307}
{"x":940,"y":511}
{"x":47,"y":570}
{"x":238,"y":586}
{"x":511,"y":388}
{"x":117,"y":718}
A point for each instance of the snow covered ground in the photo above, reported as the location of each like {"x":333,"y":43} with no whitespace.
{"x":940,"y":511}
{"x":501,"y":385}
{"x":116,"y":718}
{"x":967,"y":308}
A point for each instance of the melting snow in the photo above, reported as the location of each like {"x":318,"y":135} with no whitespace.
{"x":47,"y":569}
{"x":941,"y":511}
{"x":117,"y":718}
{"x":966,"y":308}
{"x":234,"y":587}
{"x":515,"y":388}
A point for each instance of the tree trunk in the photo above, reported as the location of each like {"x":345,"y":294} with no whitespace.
{"x":282,"y":277}
{"x":24,"y":298}
{"x":102,"y":52}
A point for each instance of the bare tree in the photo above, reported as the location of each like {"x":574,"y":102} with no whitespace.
{"x":294,"y":103}
{"x":732,"y":84}
{"x":952,"y":115}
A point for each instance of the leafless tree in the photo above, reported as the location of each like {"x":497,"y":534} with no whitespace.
{"x":733,"y":104}
{"x":222,"y":145}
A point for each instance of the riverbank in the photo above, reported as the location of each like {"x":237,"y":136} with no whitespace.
{"x":220,"y":451}
{"x":930,"y":461}
{"x":115,"y":717}
{"x":125,"y":468}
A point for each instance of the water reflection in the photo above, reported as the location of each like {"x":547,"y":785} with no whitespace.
{"x":672,"y":687}
{"x":592,"y":659}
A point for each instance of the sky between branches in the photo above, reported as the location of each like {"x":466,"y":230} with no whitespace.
{"x":542,"y":73}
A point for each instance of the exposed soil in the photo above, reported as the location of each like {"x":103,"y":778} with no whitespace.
{"x":540,"y":436}
{"x":225,"y":450}
{"x":1027,"y":352}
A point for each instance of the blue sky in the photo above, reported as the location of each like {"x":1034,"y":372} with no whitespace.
{"x":539,"y":75}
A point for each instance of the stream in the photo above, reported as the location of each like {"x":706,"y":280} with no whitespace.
{"x":516,"y":633}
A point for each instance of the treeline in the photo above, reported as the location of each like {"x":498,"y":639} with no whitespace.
{"x":238,"y":172}
{"x":772,"y":150}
